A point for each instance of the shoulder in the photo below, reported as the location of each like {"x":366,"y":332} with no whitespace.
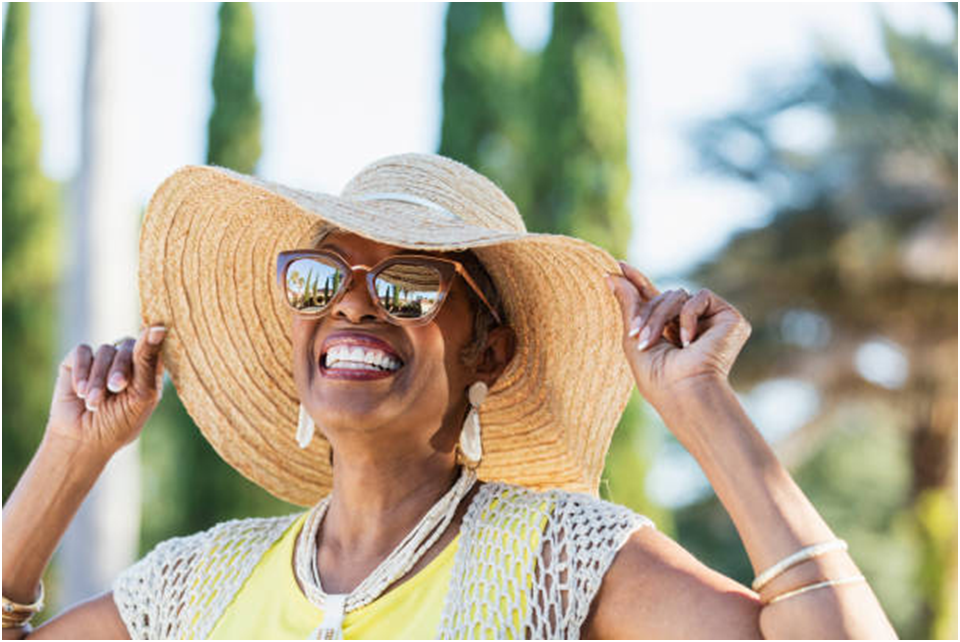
{"x":231,"y":534}
{"x":654,"y":584}
{"x":569,"y":503}
{"x":150,"y":593}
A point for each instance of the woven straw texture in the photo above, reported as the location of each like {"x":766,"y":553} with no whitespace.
{"x":208,"y":250}
{"x":181,"y":588}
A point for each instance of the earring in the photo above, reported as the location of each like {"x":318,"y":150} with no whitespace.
{"x":305,"y":428}
{"x":470,"y":444}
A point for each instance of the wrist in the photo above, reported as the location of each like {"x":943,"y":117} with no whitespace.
{"x":692,"y":394}
{"x":80,"y":454}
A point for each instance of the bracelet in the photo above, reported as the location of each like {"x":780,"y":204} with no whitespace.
{"x":18,"y":622}
{"x":800,"y":556}
{"x":16,"y":614}
{"x":811,"y":587}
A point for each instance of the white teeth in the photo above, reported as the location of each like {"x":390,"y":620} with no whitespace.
{"x":358,"y":357}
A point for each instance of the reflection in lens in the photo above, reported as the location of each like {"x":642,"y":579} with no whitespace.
{"x":407,"y":290}
{"x":311,"y":283}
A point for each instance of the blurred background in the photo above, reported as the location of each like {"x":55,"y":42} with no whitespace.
{"x":800,"y":160}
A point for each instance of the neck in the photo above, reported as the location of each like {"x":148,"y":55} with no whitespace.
{"x":377,"y":498}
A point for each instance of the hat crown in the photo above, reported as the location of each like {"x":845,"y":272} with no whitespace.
{"x":443,"y":182}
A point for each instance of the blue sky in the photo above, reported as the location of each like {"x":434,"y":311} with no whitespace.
{"x":344,"y":84}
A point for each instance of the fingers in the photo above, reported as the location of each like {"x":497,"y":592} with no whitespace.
{"x":639,"y":280}
{"x":122,"y":368}
{"x":627,"y":295}
{"x":632,"y":288}
{"x":692,"y":310}
{"x":81,"y":360}
{"x":96,"y":383}
{"x":147,"y":373}
{"x":656,"y":314}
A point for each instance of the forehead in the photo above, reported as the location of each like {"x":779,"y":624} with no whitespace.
{"x":352,"y":245}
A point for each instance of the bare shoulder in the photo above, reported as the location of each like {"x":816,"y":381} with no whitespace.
{"x":656,"y":589}
{"x":93,"y":619}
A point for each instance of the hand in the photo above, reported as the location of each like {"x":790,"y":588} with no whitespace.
{"x":101,"y":402}
{"x":673,"y":340}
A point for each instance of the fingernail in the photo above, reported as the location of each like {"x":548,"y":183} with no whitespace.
{"x":684,"y":337}
{"x":82,"y":389}
{"x":86,"y":402}
{"x":635,"y":329}
{"x":116,"y":383}
{"x":156,"y":334}
{"x":609,"y":281}
{"x":644,"y":339}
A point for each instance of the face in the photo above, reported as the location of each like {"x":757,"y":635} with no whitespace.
{"x":420,"y":403}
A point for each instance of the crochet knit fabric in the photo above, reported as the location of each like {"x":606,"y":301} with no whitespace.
{"x":506,"y":583}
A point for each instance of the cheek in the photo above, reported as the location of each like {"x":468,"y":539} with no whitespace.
{"x":302,"y":332}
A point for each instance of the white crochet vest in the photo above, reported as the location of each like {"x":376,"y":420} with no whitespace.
{"x":181,"y":588}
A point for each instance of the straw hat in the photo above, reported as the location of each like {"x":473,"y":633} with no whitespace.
{"x":208,"y":248}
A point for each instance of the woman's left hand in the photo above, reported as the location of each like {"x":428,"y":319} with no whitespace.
{"x":673,"y":341}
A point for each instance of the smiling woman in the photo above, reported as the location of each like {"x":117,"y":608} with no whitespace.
{"x":438,"y":387}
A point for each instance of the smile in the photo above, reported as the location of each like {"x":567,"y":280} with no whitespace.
{"x":358,"y":357}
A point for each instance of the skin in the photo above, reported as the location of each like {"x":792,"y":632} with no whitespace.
{"x":393,"y":439}
{"x":394,"y":446}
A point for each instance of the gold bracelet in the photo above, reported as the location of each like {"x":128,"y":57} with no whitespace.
{"x":16,"y":621}
{"x":811,"y":587}
{"x":14,"y":609}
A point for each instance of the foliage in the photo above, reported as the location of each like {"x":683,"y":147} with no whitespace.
{"x":860,"y":250}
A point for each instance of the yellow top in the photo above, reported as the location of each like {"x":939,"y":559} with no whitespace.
{"x":270,"y":605}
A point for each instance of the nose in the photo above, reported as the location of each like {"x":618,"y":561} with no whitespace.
{"x":355,"y":304}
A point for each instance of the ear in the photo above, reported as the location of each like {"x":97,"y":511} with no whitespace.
{"x":496,"y":355}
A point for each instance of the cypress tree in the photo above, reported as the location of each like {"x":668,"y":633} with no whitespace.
{"x":486,"y":107}
{"x":579,"y":169}
{"x":30,"y":229}
{"x":234,"y":127}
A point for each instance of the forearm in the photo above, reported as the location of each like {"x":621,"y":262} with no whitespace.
{"x":773,"y":517}
{"x":37,"y":513}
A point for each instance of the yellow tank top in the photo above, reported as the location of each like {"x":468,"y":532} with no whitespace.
{"x":270,"y":604}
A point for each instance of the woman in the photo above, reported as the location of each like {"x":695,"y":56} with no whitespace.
{"x":428,"y":340}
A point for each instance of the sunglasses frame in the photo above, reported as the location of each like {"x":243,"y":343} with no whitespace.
{"x":447,"y":268}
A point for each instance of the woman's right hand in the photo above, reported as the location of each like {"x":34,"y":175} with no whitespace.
{"x":101,"y":401}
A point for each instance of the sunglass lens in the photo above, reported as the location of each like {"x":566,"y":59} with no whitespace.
{"x":407,"y":290}
{"x":312,"y":282}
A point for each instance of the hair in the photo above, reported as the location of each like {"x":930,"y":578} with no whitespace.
{"x":483,"y":320}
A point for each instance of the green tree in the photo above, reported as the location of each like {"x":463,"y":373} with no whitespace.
{"x":861,"y":250}
{"x":198,"y":488}
{"x":550,"y":129}
{"x":486,"y":106}
{"x":30,"y":232}
{"x":234,"y":127}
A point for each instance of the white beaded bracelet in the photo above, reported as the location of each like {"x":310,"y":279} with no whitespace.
{"x":792,"y":560}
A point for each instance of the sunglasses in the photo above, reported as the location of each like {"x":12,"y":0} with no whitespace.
{"x":408,"y":288}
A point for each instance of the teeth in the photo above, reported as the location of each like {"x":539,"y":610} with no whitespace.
{"x":358,"y":357}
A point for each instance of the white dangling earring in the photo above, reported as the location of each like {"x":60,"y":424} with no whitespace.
{"x":470,"y":444}
{"x":305,"y":428}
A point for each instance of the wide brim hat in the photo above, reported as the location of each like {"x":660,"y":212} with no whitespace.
{"x":208,"y":248}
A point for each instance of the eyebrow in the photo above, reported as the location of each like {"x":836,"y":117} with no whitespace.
{"x":330,"y":245}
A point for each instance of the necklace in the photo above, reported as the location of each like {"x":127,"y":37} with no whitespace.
{"x":397,"y":564}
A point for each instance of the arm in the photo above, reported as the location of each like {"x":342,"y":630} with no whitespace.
{"x":35,"y":518}
{"x":657,"y":589}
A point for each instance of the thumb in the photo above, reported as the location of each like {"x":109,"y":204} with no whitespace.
{"x":627,"y":296}
{"x":146,"y":358}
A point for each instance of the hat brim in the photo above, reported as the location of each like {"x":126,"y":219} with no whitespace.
{"x":208,"y":248}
